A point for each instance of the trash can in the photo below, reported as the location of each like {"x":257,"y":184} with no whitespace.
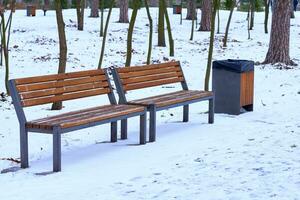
{"x":233,"y":86}
{"x":30,"y":10}
{"x":176,"y":9}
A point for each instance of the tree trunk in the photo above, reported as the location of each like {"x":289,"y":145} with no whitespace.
{"x":211,"y":44}
{"x":171,"y":41}
{"x":233,"y":3}
{"x":279,"y":45}
{"x":252,"y":11}
{"x":94,"y":8}
{"x":193,"y":23}
{"x":80,"y":13}
{"x":123,"y":11}
{"x":102,"y":16}
{"x":130,"y":32}
{"x":62,"y":46}
{"x":206,"y":15}
{"x":161,"y":25}
{"x":292,"y":9}
{"x":153,"y":3}
{"x":151,"y":32}
{"x":105,"y":34}
{"x":191,"y":6}
{"x":267,"y":7}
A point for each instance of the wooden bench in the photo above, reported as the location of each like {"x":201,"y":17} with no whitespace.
{"x":40,"y":90}
{"x":139,"y":77}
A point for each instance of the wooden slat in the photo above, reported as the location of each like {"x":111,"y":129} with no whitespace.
{"x":54,"y":77}
{"x":57,"y":84}
{"x":151,"y":78}
{"x":247,"y":83}
{"x":147,"y":67}
{"x":149,"y":72}
{"x":152,"y":83}
{"x":63,"y":90}
{"x":64,"y":97}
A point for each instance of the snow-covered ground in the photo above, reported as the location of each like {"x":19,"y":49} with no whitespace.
{"x":251,"y":156}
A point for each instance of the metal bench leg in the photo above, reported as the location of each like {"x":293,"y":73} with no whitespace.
{"x":152,"y":127}
{"x":211,"y":111}
{"x":113,"y":132}
{"x":24,"y":146}
{"x":143,"y":128}
{"x":123,"y":129}
{"x":56,"y":149}
{"x":185,"y":113}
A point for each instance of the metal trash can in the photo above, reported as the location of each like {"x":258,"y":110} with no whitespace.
{"x":233,"y":86}
{"x":177,"y":9}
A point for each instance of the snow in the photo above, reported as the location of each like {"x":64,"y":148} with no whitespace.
{"x":250,"y":156}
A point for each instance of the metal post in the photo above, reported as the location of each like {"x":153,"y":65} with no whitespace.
{"x":143,"y":128}
{"x":113,"y":131}
{"x":123,"y":129}
{"x":152,"y":128}
{"x":185,"y":113}
{"x":211,"y":110}
{"x":56,"y":149}
{"x":24,"y":146}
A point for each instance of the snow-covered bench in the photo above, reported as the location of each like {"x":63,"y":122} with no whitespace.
{"x":40,"y":90}
{"x":139,"y":77}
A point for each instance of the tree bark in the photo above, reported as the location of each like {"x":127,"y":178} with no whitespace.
{"x":80,"y":14}
{"x":233,"y":3}
{"x":267,"y":6}
{"x":130,"y":32}
{"x":193,"y":23}
{"x":94,"y":8}
{"x":191,"y":6}
{"x":102,"y":16}
{"x":171,"y":41}
{"x":292,"y":9}
{"x":123,"y":11}
{"x":279,"y":45}
{"x":206,"y":15}
{"x":62,"y":46}
{"x":161,"y":25}
{"x":252,"y":11}
{"x":150,"y":33}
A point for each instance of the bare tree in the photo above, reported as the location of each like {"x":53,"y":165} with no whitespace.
{"x":102,"y":16}
{"x":191,"y":7}
{"x":94,"y":8}
{"x":232,"y":5}
{"x":267,"y":7}
{"x":123,"y":11}
{"x":80,"y":13}
{"x":292,"y":9}
{"x":279,"y":45}
{"x":161,"y":25}
{"x":62,"y":45}
{"x":206,"y":15}
{"x":150,"y":32}
{"x":171,"y":41}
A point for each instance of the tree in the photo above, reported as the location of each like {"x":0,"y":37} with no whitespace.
{"x":279,"y":45}
{"x":267,"y":6}
{"x":252,"y":11}
{"x":191,"y":7}
{"x":211,"y":43}
{"x":161,"y":25}
{"x":80,"y":14}
{"x":123,"y":11}
{"x":105,"y":34}
{"x":193,"y":23}
{"x":206,"y":9}
{"x":94,"y":8}
{"x":130,"y":32}
{"x":62,"y":45}
{"x":151,"y":32}
{"x":154,"y":3}
{"x":292,"y":9}
{"x":232,"y":5}
{"x":102,"y":16}
{"x":171,"y":41}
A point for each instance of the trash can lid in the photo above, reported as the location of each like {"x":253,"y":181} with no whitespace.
{"x":238,"y":66}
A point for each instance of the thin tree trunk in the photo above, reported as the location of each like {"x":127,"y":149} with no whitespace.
{"x":292,"y":9}
{"x":150,"y":32}
{"x":193,"y":24}
{"x":105,"y":34}
{"x":181,"y":12}
{"x":161,"y":25}
{"x":228,"y":23}
{"x":171,"y":41}
{"x":80,"y":14}
{"x":130,"y":32}
{"x":206,"y":9}
{"x":123,"y":11}
{"x":267,"y":6}
{"x":218,"y":30}
{"x":279,"y":45}
{"x":211,"y":44}
{"x":252,"y":11}
{"x":102,"y":16}
{"x":94,"y":8}
{"x":248,"y":21}
{"x":5,"y":50}
{"x":191,"y":7}
{"x":62,"y":46}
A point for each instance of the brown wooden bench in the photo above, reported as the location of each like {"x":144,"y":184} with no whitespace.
{"x":139,"y":77}
{"x":40,"y":90}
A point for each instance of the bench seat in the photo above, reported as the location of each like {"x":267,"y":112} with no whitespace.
{"x":172,"y":98}
{"x":83,"y":117}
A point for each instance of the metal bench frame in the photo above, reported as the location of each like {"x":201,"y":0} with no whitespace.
{"x":57,"y":130}
{"x":153,"y":109}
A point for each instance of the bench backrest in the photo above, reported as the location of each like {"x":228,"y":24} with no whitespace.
{"x":138,"y":77}
{"x":59,"y":87}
